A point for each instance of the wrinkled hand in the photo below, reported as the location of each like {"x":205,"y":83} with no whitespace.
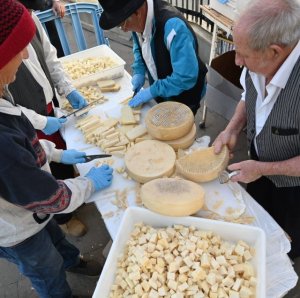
{"x":249,"y":171}
{"x":101,"y":177}
{"x":76,"y":100}
{"x":137,"y":81}
{"x":53,"y":125}
{"x":58,"y":8}
{"x":72,"y":157}
{"x":228,"y":138}
{"x":142,"y":97}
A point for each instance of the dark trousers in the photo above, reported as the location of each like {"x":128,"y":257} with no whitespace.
{"x":283,"y":204}
{"x":54,"y":38}
{"x":43,"y":258}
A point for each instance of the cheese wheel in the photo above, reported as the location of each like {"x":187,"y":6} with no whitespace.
{"x":172,"y":196}
{"x":150,"y":159}
{"x":203,"y":165}
{"x":169,"y":121}
{"x":185,"y":141}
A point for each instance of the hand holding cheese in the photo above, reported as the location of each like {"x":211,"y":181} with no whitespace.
{"x":53,"y":125}
{"x":76,"y":100}
{"x":101,"y":177}
{"x":142,"y":97}
{"x":71,"y":157}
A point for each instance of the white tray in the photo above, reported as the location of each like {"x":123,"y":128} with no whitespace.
{"x":99,"y":51}
{"x":228,"y":231}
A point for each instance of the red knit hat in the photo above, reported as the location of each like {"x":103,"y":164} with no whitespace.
{"x":16,"y":29}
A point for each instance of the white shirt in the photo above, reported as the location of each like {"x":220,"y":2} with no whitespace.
{"x":264,"y":105}
{"x":145,"y":40}
{"x":61,"y":81}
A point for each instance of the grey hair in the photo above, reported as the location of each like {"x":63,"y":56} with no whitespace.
{"x":271,"y":22}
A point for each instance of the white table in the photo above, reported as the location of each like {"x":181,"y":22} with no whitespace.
{"x":280,"y":274}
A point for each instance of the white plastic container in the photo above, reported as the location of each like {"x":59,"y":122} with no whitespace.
{"x":98,"y":51}
{"x":228,"y":231}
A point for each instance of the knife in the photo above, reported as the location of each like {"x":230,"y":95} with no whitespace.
{"x":95,"y":156}
{"x":74,"y":113}
{"x":134,"y":93}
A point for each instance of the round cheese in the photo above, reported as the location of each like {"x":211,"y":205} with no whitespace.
{"x":185,"y":141}
{"x":203,"y":165}
{"x":150,"y":159}
{"x":169,"y":121}
{"x":172,"y":196}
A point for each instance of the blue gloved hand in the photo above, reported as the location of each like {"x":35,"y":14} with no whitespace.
{"x":71,"y":157}
{"x":142,"y":97}
{"x":137,"y":81}
{"x":76,"y":100}
{"x":223,"y":1}
{"x":53,"y":125}
{"x":101,"y":177}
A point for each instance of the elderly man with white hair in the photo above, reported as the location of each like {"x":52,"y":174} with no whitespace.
{"x":266,"y":38}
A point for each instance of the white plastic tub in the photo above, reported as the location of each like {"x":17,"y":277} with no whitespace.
{"x":98,"y":51}
{"x":228,"y":231}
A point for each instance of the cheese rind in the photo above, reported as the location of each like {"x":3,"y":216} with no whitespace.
{"x":169,"y":121}
{"x":149,"y":160}
{"x":172,"y":196}
{"x":185,"y":141}
{"x":203,"y":165}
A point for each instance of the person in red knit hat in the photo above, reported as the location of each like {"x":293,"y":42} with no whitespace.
{"x":38,"y":80}
{"x":29,"y":194}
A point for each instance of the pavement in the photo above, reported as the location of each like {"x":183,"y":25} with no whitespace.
{"x":14,"y":285}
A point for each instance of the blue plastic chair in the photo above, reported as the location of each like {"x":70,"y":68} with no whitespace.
{"x":73,"y":10}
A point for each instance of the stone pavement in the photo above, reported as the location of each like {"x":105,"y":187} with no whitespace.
{"x":14,"y":285}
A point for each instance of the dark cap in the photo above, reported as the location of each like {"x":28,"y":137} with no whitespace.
{"x":117,"y":11}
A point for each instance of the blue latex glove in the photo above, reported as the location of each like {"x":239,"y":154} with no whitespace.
{"x":223,"y":1}
{"x":137,"y":81}
{"x":71,"y":157}
{"x":76,"y":100}
{"x":101,"y":177}
{"x":53,"y":125}
{"x":142,"y":97}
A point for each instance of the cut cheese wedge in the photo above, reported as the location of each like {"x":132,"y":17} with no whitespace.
{"x":169,"y":121}
{"x":185,"y":141}
{"x":203,"y":165}
{"x":150,"y":159}
{"x":172,"y":196}
{"x":106,"y":83}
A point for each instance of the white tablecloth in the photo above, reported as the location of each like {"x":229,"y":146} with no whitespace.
{"x":281,"y":276}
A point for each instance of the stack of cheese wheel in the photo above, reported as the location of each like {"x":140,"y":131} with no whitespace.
{"x":203,"y":165}
{"x":150,"y":159}
{"x":173,"y":123}
{"x":172,"y":196}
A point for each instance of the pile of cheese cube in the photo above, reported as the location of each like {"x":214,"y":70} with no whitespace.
{"x":79,"y":68}
{"x":179,"y":262}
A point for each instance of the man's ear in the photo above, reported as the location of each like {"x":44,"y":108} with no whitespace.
{"x":275,"y":51}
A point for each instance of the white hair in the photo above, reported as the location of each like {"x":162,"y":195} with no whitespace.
{"x":269,"y":22}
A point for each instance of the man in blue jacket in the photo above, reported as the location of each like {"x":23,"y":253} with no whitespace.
{"x":164,"y":46}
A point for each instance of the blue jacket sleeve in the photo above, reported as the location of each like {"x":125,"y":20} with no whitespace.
{"x":181,"y":44}
{"x":138,"y":66}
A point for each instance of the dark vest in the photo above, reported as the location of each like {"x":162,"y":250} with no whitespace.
{"x":25,"y":90}
{"x":162,"y":13}
{"x":279,"y":139}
